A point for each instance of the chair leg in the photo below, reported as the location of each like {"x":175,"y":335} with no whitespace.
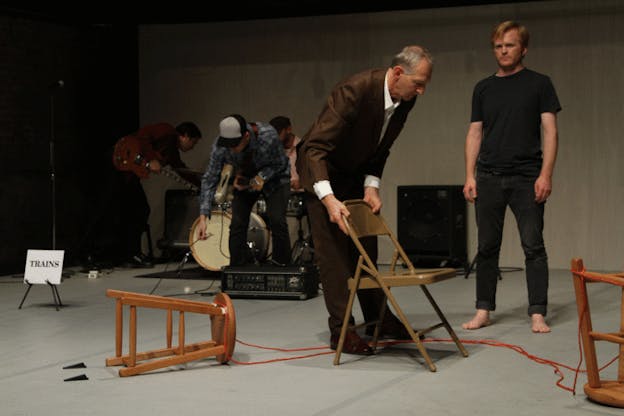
{"x":410,"y":330}
{"x":345,"y":323}
{"x":448,"y":327}
{"x":382,"y":314}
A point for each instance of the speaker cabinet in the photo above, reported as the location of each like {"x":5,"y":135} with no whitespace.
{"x":431,"y":224}
{"x":181,"y":209}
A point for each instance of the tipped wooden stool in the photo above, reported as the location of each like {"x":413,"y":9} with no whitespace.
{"x":221,"y":346}
{"x":609,"y":392}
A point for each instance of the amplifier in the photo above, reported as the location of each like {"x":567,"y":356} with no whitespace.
{"x":270,"y":282}
{"x":181,"y":209}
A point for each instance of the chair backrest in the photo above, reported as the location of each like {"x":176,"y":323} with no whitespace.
{"x":362,"y":222}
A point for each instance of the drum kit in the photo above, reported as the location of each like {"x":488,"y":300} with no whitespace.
{"x":213,"y":252}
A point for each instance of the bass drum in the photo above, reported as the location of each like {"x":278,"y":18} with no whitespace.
{"x":213,"y":253}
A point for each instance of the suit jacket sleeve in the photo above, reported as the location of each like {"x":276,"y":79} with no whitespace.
{"x":341,"y":138}
{"x":330,"y":127}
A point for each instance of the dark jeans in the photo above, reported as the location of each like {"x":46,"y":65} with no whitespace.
{"x":494,"y":194}
{"x":276,"y":205}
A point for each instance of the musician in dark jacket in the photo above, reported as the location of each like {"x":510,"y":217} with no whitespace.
{"x":114,"y":233}
{"x":342,"y":157}
{"x":159,"y":145}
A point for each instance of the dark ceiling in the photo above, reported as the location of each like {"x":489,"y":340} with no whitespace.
{"x":87,"y":13}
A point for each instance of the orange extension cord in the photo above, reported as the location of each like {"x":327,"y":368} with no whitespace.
{"x":491,"y":343}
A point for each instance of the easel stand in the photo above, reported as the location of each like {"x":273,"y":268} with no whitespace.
{"x":55,"y":295}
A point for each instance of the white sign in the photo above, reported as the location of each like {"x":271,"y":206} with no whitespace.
{"x":44,"y":266}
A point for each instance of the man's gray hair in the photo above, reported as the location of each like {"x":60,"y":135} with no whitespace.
{"x":410,"y":57}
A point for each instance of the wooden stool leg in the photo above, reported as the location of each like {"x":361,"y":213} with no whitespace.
{"x":169,"y":327}
{"x":118,"y":328}
{"x":580,"y":289}
{"x":181,"y":330}
{"x":133,"y":336}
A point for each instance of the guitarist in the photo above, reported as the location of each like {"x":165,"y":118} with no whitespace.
{"x":136,"y":156}
{"x":260,"y":165}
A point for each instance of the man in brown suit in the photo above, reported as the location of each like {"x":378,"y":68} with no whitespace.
{"x":342,"y":157}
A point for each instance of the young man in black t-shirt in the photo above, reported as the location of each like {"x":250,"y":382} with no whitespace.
{"x":510,"y":153}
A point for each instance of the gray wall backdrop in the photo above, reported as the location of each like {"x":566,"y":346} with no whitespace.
{"x":263,"y":68}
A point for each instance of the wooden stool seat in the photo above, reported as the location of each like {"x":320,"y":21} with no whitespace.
{"x":608,"y":392}
{"x":221,"y":346}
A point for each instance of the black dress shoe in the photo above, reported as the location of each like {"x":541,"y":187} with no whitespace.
{"x":353,"y":344}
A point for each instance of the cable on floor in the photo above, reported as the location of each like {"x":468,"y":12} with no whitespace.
{"x":282,"y":350}
{"x":490,"y":343}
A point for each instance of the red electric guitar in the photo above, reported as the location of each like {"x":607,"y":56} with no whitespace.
{"x":127,"y":157}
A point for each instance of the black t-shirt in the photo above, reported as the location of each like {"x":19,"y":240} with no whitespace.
{"x":510,"y":108}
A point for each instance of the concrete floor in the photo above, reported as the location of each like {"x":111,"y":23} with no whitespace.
{"x":37,"y":342}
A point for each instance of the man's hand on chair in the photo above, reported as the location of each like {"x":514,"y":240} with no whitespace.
{"x":371,"y":197}
{"x":336,"y":210}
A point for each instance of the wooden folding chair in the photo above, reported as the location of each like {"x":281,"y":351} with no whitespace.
{"x":363,"y":223}
{"x":609,"y":392}
{"x":223,"y":329}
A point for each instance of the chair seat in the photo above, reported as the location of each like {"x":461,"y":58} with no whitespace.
{"x":419,"y":277}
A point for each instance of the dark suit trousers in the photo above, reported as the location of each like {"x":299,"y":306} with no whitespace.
{"x":337,"y":256}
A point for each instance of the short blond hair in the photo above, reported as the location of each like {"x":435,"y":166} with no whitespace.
{"x":508,"y":25}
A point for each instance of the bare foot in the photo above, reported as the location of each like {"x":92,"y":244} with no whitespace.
{"x":481,"y":319}
{"x":538,"y":324}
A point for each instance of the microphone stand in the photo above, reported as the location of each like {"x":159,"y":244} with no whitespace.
{"x":53,"y":165}
{"x":53,"y":88}
{"x":55,"y":294}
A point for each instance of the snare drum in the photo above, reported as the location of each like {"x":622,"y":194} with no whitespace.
{"x":213,"y":253}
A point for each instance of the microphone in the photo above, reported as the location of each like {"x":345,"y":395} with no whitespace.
{"x":57,"y":84}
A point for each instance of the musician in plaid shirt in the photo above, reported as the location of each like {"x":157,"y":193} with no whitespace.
{"x":261,"y":168}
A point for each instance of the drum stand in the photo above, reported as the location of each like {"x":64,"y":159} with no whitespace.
{"x":303,"y":249}
{"x":183,"y":262}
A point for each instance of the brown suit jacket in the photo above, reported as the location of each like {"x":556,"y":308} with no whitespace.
{"x":343,"y":145}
